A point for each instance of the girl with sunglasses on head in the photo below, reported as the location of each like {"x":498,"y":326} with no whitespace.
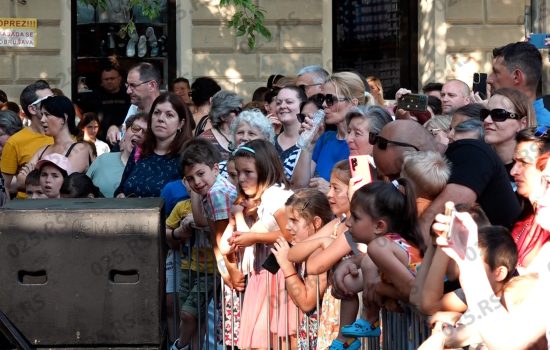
{"x":508,"y":111}
{"x":341,"y":92}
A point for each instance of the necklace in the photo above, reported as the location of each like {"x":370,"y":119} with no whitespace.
{"x":527,"y":224}
{"x":225,"y":137}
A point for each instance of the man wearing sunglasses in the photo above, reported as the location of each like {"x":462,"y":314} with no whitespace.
{"x":311,"y":79}
{"x":22,"y":145}
{"x":519,"y":66}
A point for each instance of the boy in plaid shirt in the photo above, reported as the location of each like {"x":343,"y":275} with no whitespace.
{"x":212,"y":197}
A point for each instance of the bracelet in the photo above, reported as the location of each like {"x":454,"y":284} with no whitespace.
{"x":292,"y":274}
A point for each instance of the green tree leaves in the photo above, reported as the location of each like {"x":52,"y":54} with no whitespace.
{"x":248,"y":20}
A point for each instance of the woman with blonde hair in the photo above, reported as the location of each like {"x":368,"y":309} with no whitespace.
{"x":376,"y":89}
{"x":508,"y":111}
{"x":341,"y":92}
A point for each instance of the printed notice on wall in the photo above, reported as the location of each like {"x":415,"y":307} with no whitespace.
{"x":18,"y":32}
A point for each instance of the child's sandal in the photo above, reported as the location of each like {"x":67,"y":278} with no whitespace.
{"x":361,"y":328}
{"x":350,"y":344}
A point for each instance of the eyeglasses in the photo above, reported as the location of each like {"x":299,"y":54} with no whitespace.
{"x":305,"y":86}
{"x":329,"y":99}
{"x":542,"y":131}
{"x":135,"y":129}
{"x":498,"y":115}
{"x":382,"y":143}
{"x":135,"y":86}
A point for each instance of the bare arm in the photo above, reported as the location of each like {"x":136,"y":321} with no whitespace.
{"x":302,"y":250}
{"x":303,"y":293}
{"x":304,"y":168}
{"x":385,"y":258}
{"x":452,"y":192}
{"x":26,"y":169}
{"x":322,"y":261}
{"x":433,"y":299}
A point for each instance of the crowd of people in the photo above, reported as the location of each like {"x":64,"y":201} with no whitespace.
{"x":450,"y":216}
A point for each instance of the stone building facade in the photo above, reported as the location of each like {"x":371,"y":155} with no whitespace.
{"x":455,"y":39}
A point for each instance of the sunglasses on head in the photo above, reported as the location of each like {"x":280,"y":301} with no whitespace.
{"x":328,"y":98}
{"x":375,"y":139}
{"x":305,"y":86}
{"x":498,"y":115}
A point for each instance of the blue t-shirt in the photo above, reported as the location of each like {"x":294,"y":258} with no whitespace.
{"x":543,"y":115}
{"x":327,"y":152}
{"x":172,"y":193}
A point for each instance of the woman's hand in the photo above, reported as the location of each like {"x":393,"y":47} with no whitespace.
{"x":308,"y":125}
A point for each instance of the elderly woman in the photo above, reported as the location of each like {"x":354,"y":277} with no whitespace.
{"x":226,"y":105}
{"x":58,"y":121}
{"x":247,"y":126}
{"x":106,"y":171}
{"x":156,"y":162}
{"x":362,"y":121}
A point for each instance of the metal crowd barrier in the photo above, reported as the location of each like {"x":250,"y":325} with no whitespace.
{"x":400,"y":331}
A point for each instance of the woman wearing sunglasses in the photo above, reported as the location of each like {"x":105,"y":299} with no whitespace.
{"x":341,"y":92}
{"x":508,"y":111}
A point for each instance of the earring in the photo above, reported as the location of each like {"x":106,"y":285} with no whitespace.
{"x":178,"y":130}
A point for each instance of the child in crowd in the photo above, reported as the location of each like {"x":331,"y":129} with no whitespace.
{"x":33,"y":190}
{"x":320,"y":258}
{"x":263,"y":191}
{"x":211,"y":198}
{"x":429,"y":172}
{"x":435,"y":286}
{"x":79,"y":185}
{"x":54,"y":168}
{"x":307,"y":211}
{"x":384,"y":216}
{"x":500,"y":257}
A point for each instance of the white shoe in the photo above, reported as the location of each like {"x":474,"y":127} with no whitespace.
{"x":131,"y":48}
{"x":152,"y":40}
{"x":142,"y":46}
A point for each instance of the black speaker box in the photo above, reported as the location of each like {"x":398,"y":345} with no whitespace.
{"x":84,"y":273}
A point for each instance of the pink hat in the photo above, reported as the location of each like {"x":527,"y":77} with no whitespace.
{"x":58,"y":160}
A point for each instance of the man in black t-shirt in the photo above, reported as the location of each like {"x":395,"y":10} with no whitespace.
{"x":110,"y":102}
